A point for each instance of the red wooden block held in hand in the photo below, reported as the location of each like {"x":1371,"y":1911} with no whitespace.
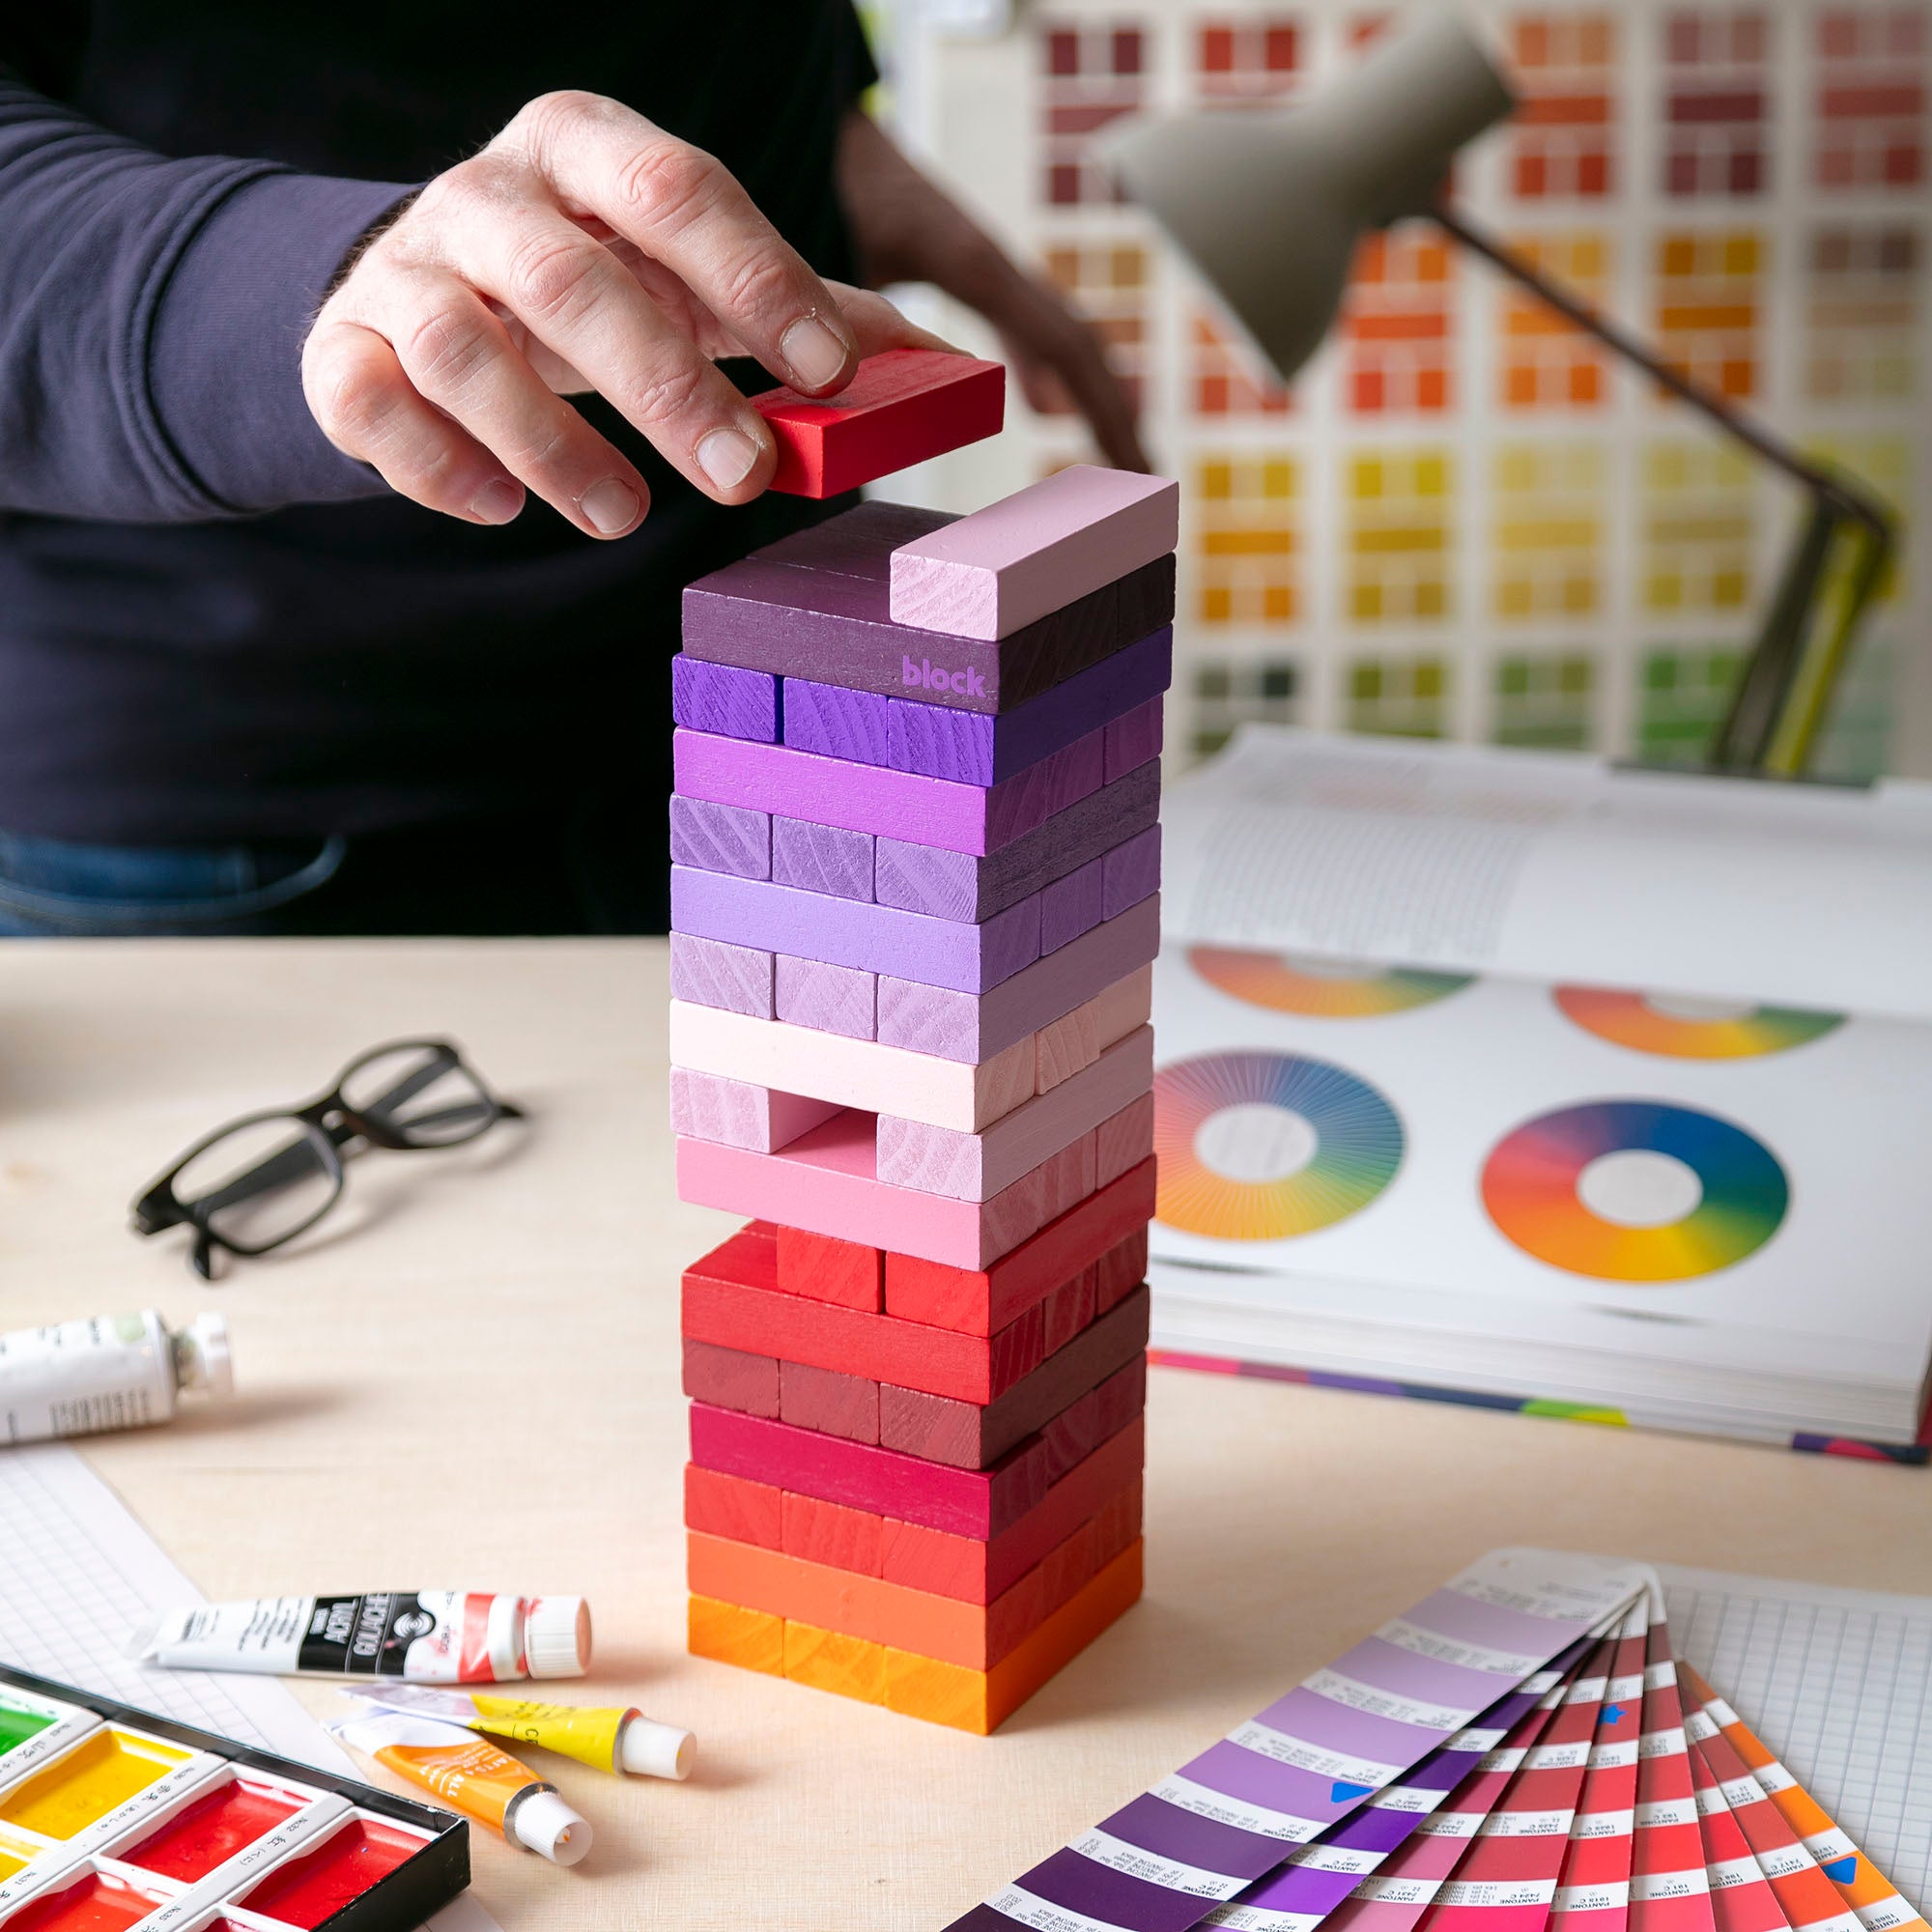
{"x":901,"y":408}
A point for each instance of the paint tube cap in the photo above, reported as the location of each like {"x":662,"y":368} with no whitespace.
{"x":548,"y":1825}
{"x":646,"y":1748}
{"x":556,"y":1636}
{"x":203,"y":1357}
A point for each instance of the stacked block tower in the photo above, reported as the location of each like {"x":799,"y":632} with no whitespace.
{"x":915,"y":855}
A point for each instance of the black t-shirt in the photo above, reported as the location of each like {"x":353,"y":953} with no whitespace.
{"x":354,"y":664}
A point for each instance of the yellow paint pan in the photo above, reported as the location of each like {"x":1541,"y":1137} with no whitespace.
{"x":88,"y":1781}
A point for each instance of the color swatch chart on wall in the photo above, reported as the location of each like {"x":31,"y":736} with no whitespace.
{"x":1463,"y":520}
{"x":915,"y":854}
{"x":1522,"y":1749}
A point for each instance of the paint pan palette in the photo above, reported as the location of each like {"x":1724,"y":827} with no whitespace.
{"x":112,"y":1819}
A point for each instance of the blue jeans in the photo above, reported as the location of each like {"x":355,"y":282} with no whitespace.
{"x":53,"y":889}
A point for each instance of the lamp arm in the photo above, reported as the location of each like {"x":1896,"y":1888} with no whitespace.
{"x":1834,"y":490}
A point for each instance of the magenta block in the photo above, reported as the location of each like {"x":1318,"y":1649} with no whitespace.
{"x":724,"y":698}
{"x":1131,"y":872}
{"x":819,"y":859}
{"x":828,"y":998}
{"x":721,"y":838}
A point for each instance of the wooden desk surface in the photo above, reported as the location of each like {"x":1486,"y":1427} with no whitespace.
{"x":470,"y":1378}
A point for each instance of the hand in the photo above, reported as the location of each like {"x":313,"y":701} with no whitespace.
{"x":909,"y":230}
{"x":583,"y":248}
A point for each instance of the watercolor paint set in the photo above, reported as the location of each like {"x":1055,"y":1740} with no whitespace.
{"x":112,"y":1819}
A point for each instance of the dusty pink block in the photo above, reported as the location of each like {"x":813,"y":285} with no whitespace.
{"x":1128,"y":1004}
{"x":1124,"y":1140}
{"x":709,"y":973}
{"x":1067,"y":1179}
{"x":828,"y":998}
{"x":1063,"y":1049}
{"x":733,"y":1113}
{"x":1130,"y":872}
{"x":1072,"y":906}
{"x":1130,"y":742}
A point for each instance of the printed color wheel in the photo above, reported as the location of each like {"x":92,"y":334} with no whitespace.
{"x":1690,"y":1028}
{"x":1290,"y":982}
{"x":1634,"y":1190}
{"x":1254,"y":1146}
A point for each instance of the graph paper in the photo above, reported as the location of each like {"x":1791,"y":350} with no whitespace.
{"x":78,"y":1572}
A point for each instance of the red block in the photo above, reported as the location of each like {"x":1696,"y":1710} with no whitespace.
{"x":1120,"y":1271}
{"x":829,"y":1270}
{"x":901,"y":408}
{"x":822,"y":1532}
{"x":824,"y":1400}
{"x":731,"y":1378}
{"x":730,"y":1506}
{"x":978,"y":1301}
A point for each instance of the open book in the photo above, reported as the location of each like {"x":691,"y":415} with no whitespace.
{"x":1519,"y":1076}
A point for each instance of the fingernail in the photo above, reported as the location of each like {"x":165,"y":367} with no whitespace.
{"x":726,"y":457}
{"x":812,"y":352}
{"x":497,"y":503}
{"x":609,"y":507}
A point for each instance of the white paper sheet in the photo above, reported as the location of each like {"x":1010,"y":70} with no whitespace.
{"x":80,"y":1572}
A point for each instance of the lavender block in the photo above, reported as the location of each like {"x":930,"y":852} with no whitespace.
{"x":835,"y":722}
{"x":846,"y":932}
{"x":1131,"y":741}
{"x":820,"y":859}
{"x":1072,"y":906}
{"x":1130,"y":872}
{"x":738,"y":1115}
{"x":974,"y":749}
{"x":736,"y":978}
{"x":721,"y":838}
{"x":952,"y":885}
{"x":718,"y":698}
{"x":828,"y":998}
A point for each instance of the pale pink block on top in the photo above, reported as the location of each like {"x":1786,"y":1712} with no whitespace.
{"x":740,"y":1115}
{"x":1002,"y":567}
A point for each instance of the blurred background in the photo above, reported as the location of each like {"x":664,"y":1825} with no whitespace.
{"x":1463,"y":520}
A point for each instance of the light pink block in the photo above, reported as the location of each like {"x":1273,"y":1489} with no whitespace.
{"x":975,"y":1166}
{"x":740,"y":1115}
{"x":829,"y":999}
{"x":1124,"y":1140}
{"x":1123,"y":1006}
{"x":1002,"y":567}
{"x":1066,"y":1047}
{"x":709,"y":973}
{"x":1130,"y":742}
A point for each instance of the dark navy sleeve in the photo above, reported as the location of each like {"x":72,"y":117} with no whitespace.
{"x":152,"y":317}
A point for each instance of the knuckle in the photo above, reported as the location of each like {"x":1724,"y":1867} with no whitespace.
{"x":539,"y":123}
{"x":667,"y":184}
{"x":549,"y":277}
{"x":761,"y":279}
{"x":669,"y":392}
{"x":348,"y":394}
{"x":446,"y":346}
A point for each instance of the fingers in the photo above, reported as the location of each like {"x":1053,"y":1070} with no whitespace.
{"x":367,"y":407}
{"x":877,"y":325}
{"x":686,"y":210}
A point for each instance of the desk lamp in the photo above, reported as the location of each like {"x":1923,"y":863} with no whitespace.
{"x":1271,"y":206}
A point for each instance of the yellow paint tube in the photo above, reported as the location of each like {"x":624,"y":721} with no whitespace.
{"x":610,"y":1739}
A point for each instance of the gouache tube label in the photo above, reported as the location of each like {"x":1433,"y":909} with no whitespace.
{"x":589,"y":1736}
{"x":443,"y":1637}
{"x":83,"y":1378}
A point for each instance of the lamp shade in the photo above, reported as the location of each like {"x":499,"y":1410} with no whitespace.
{"x":1270,"y":207}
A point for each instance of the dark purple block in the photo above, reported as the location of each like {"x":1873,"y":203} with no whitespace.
{"x":978,"y":749}
{"x":1130,"y":872}
{"x":835,"y":722}
{"x":721,"y":838}
{"x":1131,"y":741}
{"x":857,"y":542}
{"x":1072,"y":906}
{"x":952,"y":885}
{"x":724,"y":698}
{"x":819,"y":859}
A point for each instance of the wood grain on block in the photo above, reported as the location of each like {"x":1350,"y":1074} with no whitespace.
{"x":712,"y":1108}
{"x":824,"y":1270}
{"x":852,"y":1073}
{"x":1002,"y":567}
{"x":827,"y":999}
{"x":902,"y":407}
{"x":1128,"y":1004}
{"x":1070,"y":906}
{"x":734,"y":979}
{"x":1124,"y":1140}
{"x":958,"y":1026}
{"x":974,"y":1166}
{"x":732,"y":1378}
{"x":1131,"y":873}
{"x":1120,"y":1271}
{"x":828,"y":1400}
{"x":976,"y":748}
{"x":848,"y":1666}
{"x":1133,"y":741}
{"x":975,"y":819}
{"x":955,"y":885}
{"x":1064,"y":1180}
{"x":838,"y":723}
{"x":1067,"y":1047}
{"x":1068,"y":1310}
{"x":981,"y":1702}
{"x":730,"y":1633}
{"x":726,"y":698}
{"x":848,"y":933}
{"x":721,"y":838}
{"x":831,"y":1533}
{"x":979,"y":1300}
{"x":730,"y":1506}
{"x":820,"y":859}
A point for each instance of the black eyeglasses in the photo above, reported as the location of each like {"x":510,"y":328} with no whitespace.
{"x":267,"y":1177}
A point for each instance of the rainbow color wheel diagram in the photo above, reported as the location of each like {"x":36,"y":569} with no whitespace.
{"x":1634,"y":1190}
{"x":1255,"y":1147}
{"x":1327,"y":989}
{"x":1690,"y":1028}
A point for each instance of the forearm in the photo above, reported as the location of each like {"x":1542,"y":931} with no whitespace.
{"x":152,"y":315}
